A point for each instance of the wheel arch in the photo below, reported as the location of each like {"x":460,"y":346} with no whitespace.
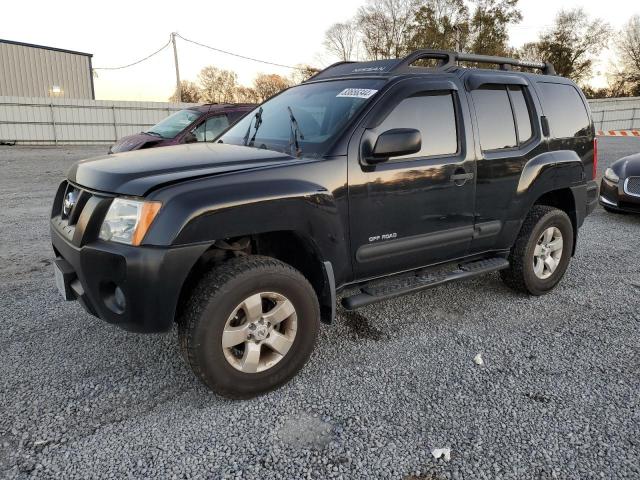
{"x":563,"y":199}
{"x":288,"y":246}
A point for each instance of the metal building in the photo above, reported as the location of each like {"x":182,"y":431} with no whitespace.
{"x":28,"y":70}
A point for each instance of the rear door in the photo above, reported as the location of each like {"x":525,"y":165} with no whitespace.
{"x":509,"y":135}
{"x":418,"y":209}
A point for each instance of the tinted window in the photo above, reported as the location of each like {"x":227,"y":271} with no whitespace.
{"x":321,"y":112}
{"x":495,"y":119}
{"x":209,"y":130}
{"x":434,"y":116}
{"x":521,"y":111}
{"x":565,"y":110}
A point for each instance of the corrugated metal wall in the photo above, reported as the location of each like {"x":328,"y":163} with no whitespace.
{"x":47,"y":121}
{"x":616,"y":113}
{"x":28,"y":71}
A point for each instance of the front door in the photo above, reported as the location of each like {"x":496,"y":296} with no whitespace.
{"x":415,"y":210}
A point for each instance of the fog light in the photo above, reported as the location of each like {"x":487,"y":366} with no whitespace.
{"x":119,"y":299}
{"x":113,"y":297}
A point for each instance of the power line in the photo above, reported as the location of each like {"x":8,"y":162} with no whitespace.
{"x":136,"y":63}
{"x":237,"y":55}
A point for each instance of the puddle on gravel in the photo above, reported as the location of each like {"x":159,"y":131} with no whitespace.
{"x":360,"y":327}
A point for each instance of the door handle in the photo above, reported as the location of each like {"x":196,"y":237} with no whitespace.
{"x":461,"y":177}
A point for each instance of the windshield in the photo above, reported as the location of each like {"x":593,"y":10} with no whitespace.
{"x":174,"y":124}
{"x":303,"y":121}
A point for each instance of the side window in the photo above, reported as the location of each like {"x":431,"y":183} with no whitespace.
{"x":432,"y":114}
{"x":495,"y":118}
{"x":209,"y":130}
{"x":521,"y":112}
{"x":565,"y":110}
{"x":504,"y":116}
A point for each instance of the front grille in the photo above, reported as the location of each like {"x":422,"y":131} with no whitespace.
{"x":69,"y":203}
{"x":72,"y":202}
{"x":632,"y":186}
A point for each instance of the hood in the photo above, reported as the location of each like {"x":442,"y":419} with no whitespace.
{"x":136,"y":173}
{"x":133,"y":142}
{"x":627,"y":166}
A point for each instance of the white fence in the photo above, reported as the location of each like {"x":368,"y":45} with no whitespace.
{"x":64,"y":121}
{"x":52,"y":121}
{"x":616,"y":113}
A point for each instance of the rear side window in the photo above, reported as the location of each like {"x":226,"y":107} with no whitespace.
{"x":521,"y":112}
{"x":495,"y":118}
{"x":565,"y":110}
{"x":434,"y":115}
{"x":504,"y":116}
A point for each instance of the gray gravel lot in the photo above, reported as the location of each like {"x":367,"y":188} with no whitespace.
{"x":558,"y":396}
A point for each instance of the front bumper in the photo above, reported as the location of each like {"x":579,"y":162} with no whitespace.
{"x":149,"y":278}
{"x":613,"y":196}
{"x":136,"y":288}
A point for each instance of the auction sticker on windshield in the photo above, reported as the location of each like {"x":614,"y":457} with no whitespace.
{"x":357,"y":93}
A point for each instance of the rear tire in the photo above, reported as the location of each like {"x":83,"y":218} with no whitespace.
{"x":541,"y":254}
{"x":233,"y":303}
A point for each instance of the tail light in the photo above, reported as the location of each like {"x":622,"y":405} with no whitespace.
{"x":595,"y":157}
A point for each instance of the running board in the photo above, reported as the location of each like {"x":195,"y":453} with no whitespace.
{"x":421,"y":280}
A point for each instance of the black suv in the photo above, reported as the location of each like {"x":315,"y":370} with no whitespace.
{"x":384,"y":175}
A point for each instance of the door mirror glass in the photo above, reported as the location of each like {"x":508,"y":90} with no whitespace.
{"x":395,"y":143}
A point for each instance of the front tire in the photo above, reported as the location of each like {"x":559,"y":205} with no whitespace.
{"x":541,"y":254}
{"x":249,"y":326}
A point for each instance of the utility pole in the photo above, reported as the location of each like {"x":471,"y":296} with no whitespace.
{"x":175,"y":58}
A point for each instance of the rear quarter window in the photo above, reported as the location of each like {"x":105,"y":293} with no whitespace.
{"x":565,"y":110}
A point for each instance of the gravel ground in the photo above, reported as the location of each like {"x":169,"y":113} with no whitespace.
{"x":557,"y":397}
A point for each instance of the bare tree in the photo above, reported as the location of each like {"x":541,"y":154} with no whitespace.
{"x":217,"y":85}
{"x":246,"y":95}
{"x":628,"y":49}
{"x":267,"y":85}
{"x":190,"y":93}
{"x":572,"y":43}
{"x":341,"y":41}
{"x":384,"y":26}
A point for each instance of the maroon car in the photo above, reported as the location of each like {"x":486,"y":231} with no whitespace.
{"x":202,"y":123}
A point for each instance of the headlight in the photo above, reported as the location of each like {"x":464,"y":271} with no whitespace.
{"x":611,"y":175}
{"x":127,"y":221}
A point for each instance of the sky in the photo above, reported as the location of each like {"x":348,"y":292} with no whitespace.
{"x":282,"y":31}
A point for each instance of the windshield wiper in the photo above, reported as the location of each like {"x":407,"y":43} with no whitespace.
{"x":258,"y":121}
{"x":295,"y":134}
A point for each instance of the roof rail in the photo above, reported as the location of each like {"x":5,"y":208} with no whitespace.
{"x":447,"y":59}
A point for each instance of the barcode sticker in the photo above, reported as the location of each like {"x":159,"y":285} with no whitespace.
{"x":357,"y":93}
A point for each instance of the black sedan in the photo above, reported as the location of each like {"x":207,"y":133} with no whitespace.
{"x":620,"y":186}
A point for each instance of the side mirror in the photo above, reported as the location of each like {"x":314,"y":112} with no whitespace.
{"x":190,"y":138}
{"x":395,"y":143}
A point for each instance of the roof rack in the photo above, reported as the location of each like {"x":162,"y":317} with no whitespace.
{"x":450,"y":59}
{"x":447,"y":60}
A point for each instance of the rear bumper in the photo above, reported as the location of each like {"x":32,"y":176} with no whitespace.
{"x":149,"y":280}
